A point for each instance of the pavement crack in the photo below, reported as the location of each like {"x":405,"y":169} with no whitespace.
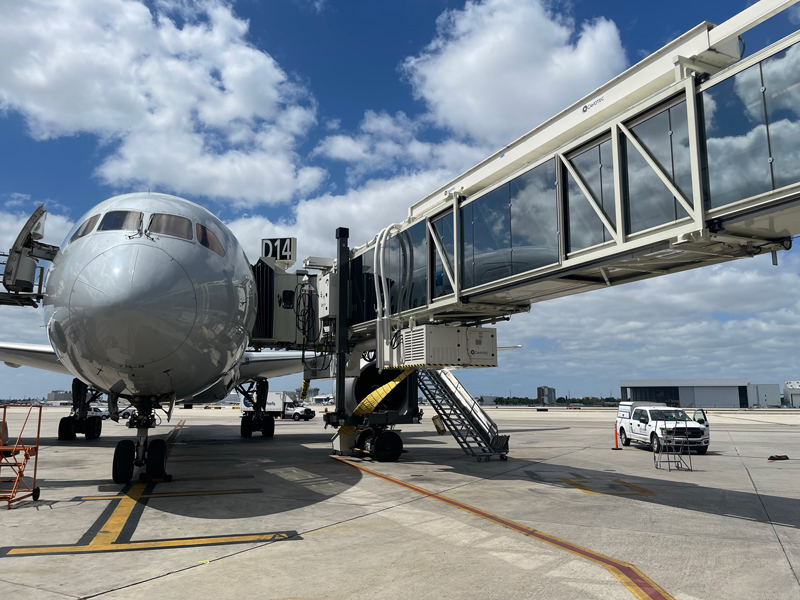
{"x":766,"y":512}
{"x":36,"y":587}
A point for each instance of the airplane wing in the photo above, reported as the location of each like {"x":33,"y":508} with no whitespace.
{"x":39,"y":356}
{"x":269,"y":364}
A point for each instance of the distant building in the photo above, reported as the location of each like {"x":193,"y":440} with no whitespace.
{"x":702,"y":393}
{"x":791,"y":393}
{"x":546,"y":395}
{"x":59,"y":396}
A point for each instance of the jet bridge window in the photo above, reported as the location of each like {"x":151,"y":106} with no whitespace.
{"x":121,"y":220}
{"x":208,"y":238}
{"x":86,"y":228}
{"x":171,"y":225}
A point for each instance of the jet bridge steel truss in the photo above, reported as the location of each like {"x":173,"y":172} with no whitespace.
{"x":701,"y":171}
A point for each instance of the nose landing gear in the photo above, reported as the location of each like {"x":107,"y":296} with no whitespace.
{"x":151,"y":454}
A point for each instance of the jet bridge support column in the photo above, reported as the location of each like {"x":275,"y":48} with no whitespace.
{"x":343,"y":275}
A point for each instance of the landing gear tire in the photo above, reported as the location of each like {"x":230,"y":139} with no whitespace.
{"x":66,"y":428}
{"x":124,"y":455}
{"x":94,"y":427}
{"x":295,"y":417}
{"x":655,"y":444}
{"x":246,"y":428}
{"x":702,"y":449}
{"x":387,"y":447}
{"x":623,"y":438}
{"x":268,"y":426}
{"x":156,"y":459}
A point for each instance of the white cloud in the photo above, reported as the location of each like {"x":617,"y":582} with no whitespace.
{"x":195,"y":109}
{"x":364,"y":210}
{"x":794,"y":14}
{"x":498,"y":68}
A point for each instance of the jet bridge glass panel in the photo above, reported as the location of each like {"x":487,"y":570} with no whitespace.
{"x":491,"y":236}
{"x":534,"y":218}
{"x":585,"y":226}
{"x":392,"y":264}
{"x":414,"y":248}
{"x":781,"y":76}
{"x":752,"y":130}
{"x":445,"y":234}
{"x":665,"y":137}
{"x":362,"y":272}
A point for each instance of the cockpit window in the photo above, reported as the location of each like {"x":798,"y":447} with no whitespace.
{"x":208,"y":239}
{"x":171,"y":225}
{"x":86,"y":228}
{"x":121,"y":219}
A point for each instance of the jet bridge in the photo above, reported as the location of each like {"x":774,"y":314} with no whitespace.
{"x":690,"y":158}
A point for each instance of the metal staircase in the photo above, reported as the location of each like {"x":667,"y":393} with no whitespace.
{"x":472,"y":428}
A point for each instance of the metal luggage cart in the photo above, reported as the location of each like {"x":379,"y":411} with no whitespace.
{"x":672,"y":449}
{"x":15,"y":455}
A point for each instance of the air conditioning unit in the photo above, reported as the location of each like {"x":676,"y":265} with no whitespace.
{"x":447,"y":346}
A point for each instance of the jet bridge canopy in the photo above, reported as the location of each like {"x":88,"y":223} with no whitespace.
{"x":690,"y":158}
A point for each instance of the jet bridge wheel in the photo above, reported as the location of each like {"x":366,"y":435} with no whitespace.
{"x":122,"y":467}
{"x":66,"y":428}
{"x":386,"y":447}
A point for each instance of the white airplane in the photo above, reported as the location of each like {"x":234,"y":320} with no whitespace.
{"x":150,"y":298}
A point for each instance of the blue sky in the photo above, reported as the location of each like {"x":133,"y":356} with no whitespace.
{"x":294,"y":117}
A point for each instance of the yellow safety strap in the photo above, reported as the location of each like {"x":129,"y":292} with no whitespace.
{"x":368,"y":404}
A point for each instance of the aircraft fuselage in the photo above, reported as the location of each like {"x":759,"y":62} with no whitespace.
{"x":144,"y":301}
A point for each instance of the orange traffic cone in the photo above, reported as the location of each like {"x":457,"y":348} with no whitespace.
{"x":616,"y":438}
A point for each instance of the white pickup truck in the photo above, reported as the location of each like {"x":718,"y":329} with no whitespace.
{"x":649,"y":422}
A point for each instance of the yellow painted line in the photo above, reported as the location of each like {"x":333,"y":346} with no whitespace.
{"x":171,"y":494}
{"x":635,"y":489}
{"x":638,"y":489}
{"x":113,"y":526}
{"x":149,"y":545}
{"x":641,"y":586}
{"x":111,"y":529}
{"x":577,"y":485}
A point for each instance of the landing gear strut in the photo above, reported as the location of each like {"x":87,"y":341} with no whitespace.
{"x":151,"y":454}
{"x":79,"y":420}
{"x":258,"y":419}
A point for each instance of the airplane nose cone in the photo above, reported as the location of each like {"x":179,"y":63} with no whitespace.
{"x":132,"y":305}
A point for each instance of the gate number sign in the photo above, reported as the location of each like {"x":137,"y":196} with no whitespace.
{"x":279,"y":248}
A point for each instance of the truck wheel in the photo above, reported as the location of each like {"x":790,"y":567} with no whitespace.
{"x":295,"y":417}
{"x":623,"y":439}
{"x":655,"y":443}
{"x":702,"y":449}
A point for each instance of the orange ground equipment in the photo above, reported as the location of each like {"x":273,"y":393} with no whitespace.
{"x":15,"y":455}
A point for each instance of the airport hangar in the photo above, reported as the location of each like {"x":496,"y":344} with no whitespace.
{"x":701,"y":393}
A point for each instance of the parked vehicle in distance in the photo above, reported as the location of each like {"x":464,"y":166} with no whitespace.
{"x":127,"y":413}
{"x":281,"y":406}
{"x":648,"y":423}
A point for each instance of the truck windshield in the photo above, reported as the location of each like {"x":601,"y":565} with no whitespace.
{"x":668,"y":415}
